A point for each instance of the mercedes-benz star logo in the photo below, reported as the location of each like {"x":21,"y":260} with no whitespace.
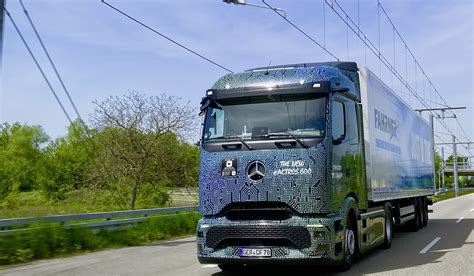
{"x":256,"y":171}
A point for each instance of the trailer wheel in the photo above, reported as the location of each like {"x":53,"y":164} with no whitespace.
{"x":420,"y":213}
{"x":388,"y":227}
{"x":350,"y":245}
{"x":424,"y":207}
{"x":415,"y":223}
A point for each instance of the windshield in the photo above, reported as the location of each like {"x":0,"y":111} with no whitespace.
{"x":265,"y":117}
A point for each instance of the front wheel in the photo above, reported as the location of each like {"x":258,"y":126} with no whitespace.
{"x":350,"y":245}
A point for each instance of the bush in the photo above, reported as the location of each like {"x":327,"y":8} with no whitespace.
{"x":50,"y":240}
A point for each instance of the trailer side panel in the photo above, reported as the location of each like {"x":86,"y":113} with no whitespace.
{"x":398,"y":144}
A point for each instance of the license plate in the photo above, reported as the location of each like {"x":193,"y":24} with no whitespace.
{"x":255,"y":252}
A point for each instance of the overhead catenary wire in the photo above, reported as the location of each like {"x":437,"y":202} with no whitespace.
{"x":165,"y":36}
{"x":301,"y":31}
{"x":417,"y":64}
{"x":371,"y":46}
{"x":376,"y":51}
{"x":53,"y":65}
{"x":37,"y":64}
{"x":440,"y":132}
{"x":409,"y":51}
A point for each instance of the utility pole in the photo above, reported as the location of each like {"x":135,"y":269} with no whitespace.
{"x":455,"y":161}
{"x":433,"y":151}
{"x":443,"y":109}
{"x":442,"y":167}
{"x":455,"y":166}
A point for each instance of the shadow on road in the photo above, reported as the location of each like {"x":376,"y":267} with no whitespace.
{"x":404,"y":252}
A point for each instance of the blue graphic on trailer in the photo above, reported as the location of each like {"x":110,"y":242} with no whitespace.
{"x":403,"y":154}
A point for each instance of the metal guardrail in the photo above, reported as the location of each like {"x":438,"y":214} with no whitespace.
{"x":141,"y":215}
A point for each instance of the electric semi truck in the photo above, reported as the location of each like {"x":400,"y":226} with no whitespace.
{"x":308,"y":164}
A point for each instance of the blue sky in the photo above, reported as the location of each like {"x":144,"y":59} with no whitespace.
{"x":101,"y":53}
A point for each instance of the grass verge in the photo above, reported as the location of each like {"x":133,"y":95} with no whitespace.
{"x":35,"y":203}
{"x":43,"y":241}
{"x":447,"y":195}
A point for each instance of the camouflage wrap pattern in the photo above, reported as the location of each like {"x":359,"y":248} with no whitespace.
{"x":308,"y":194}
{"x":325,"y":234}
{"x":305,"y":193}
{"x":277,"y":77}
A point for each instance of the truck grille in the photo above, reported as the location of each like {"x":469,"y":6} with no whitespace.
{"x":257,"y":211}
{"x":298,"y":236}
{"x":266,"y":214}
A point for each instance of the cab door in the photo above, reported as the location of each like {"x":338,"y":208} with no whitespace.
{"x":347,"y":159}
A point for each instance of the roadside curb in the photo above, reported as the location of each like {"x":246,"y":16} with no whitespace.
{"x":449,"y":199}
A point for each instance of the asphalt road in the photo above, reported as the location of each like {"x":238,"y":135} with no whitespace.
{"x":444,"y":247}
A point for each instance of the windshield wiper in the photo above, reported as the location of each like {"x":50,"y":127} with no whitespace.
{"x":285,"y":134}
{"x":240,"y":140}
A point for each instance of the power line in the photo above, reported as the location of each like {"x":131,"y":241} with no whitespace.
{"x":464,"y":132}
{"x":301,"y":31}
{"x":369,"y":44}
{"x":166,"y":37}
{"x":374,"y":49}
{"x":440,"y":132}
{"x":52,"y":63}
{"x":419,"y":65}
{"x":409,"y":50}
{"x":346,"y":18}
{"x":38,"y":65}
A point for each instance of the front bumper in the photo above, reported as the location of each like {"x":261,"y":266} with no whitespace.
{"x":319,"y":243}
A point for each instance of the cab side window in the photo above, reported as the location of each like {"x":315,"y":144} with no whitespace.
{"x":338,"y":122}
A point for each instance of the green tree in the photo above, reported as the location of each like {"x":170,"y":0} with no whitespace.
{"x":69,"y":160}
{"x":133,"y":142}
{"x":21,"y":157}
{"x":461,"y":160}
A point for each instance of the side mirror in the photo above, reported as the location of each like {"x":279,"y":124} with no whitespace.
{"x":338,"y":140}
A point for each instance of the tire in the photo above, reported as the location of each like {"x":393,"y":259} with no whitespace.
{"x":425,"y":212}
{"x":388,"y":229}
{"x":420,"y":213}
{"x":350,"y":245}
{"x":415,"y":224}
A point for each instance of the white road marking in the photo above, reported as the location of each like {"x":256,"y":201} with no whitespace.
{"x":433,"y":242}
{"x":459,"y":220}
{"x":209,"y":265}
{"x":472,"y":210}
